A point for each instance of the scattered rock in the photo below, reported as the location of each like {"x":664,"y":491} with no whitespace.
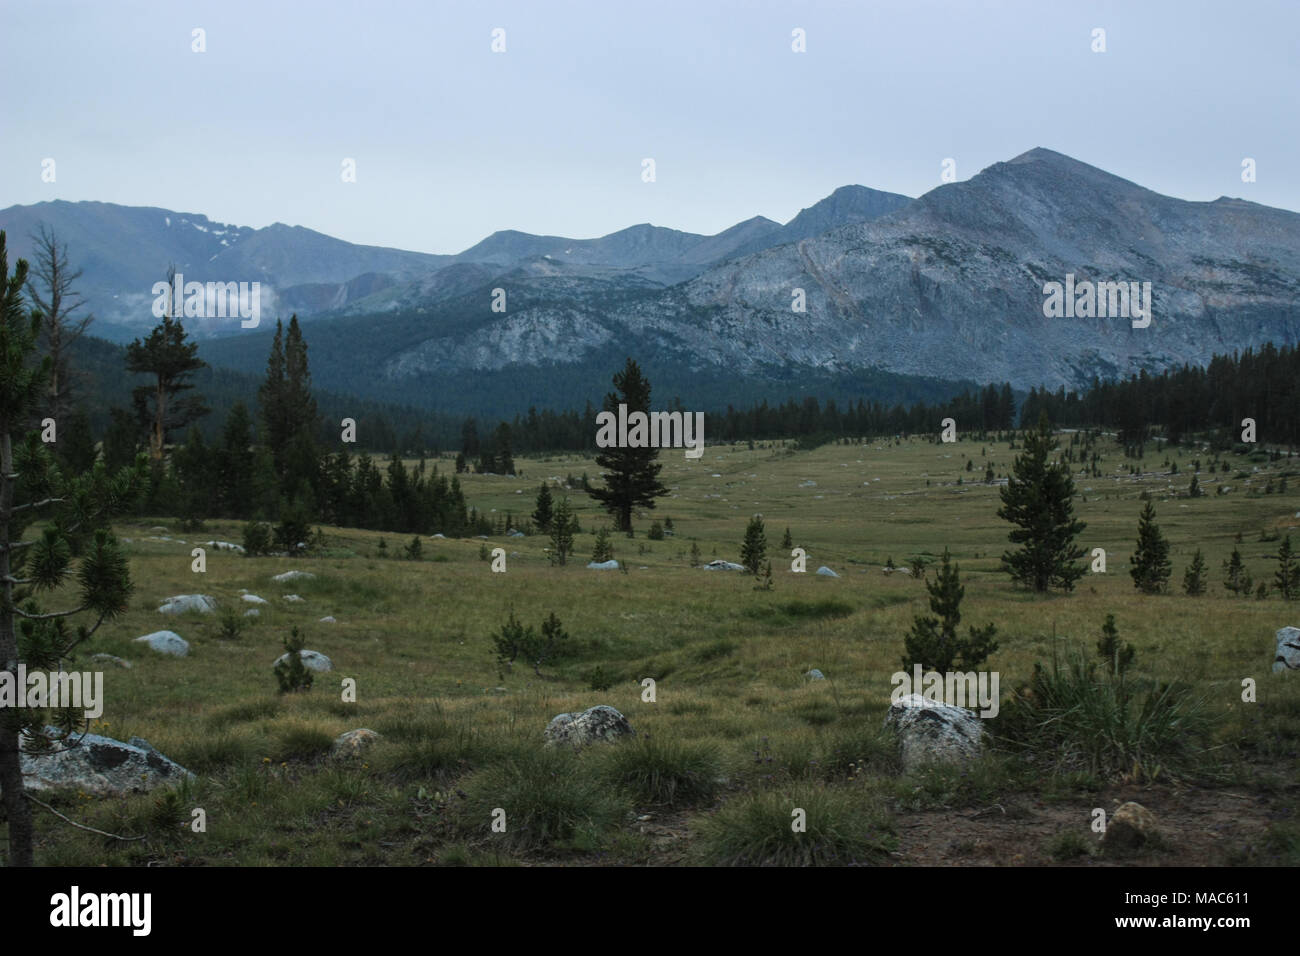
{"x":253,"y":599}
{"x":224,"y":546}
{"x":512,"y":533}
{"x":599,"y":723}
{"x":110,"y":659}
{"x":166,"y":642}
{"x":934,"y":732}
{"x":1288,"y":650}
{"x":443,"y":536}
{"x":815,"y":674}
{"x":720,"y":565}
{"x":610,"y":565}
{"x":808,"y":484}
{"x":312,"y":660}
{"x":293,"y":576}
{"x":252,"y":612}
{"x":826,"y":572}
{"x":897,"y":570}
{"x":352,"y":743}
{"x":1130,"y":828}
{"x":100,"y":765}
{"x":328,"y":619}
{"x":293,"y":599}
{"x":180,"y":603}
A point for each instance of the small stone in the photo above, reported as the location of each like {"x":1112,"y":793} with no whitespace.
{"x":253,"y":599}
{"x":1131,"y":827}
{"x":599,"y":723}
{"x":354,"y":742}
{"x":826,"y":572}
{"x":293,"y":576}
{"x":815,"y":674}
{"x":293,"y":599}
{"x":180,"y":603}
{"x":1287,"y":657}
{"x":110,"y":659}
{"x":166,"y":642}
{"x":312,"y":660}
{"x":328,"y":620}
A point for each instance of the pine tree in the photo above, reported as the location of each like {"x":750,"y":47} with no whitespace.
{"x":562,"y":522}
{"x":78,"y":508}
{"x":1150,"y":566}
{"x":754,"y":548}
{"x":234,"y":465}
{"x":1118,"y":657}
{"x":604,"y":549}
{"x":170,"y":360}
{"x":1194,"y":576}
{"x":933,"y":642}
{"x":1037,"y":498}
{"x":291,"y":673}
{"x":631,"y":474}
{"x":542,"y":513}
{"x":415,"y":550}
{"x":1237,"y":579}
{"x":1287,"y":577}
{"x":787,"y":542}
{"x":695,"y":554}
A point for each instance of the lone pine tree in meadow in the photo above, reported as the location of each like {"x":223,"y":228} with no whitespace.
{"x":1235,"y":576}
{"x":631,"y":474}
{"x":1287,"y":577}
{"x":78,"y":507}
{"x":1038,"y":499}
{"x":1194,"y":576}
{"x":753,"y":550}
{"x":1150,"y":566}
{"x":544,"y":509}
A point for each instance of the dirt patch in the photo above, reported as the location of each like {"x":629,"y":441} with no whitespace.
{"x":1199,"y":828}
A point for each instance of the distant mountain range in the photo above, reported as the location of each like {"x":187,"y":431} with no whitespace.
{"x":948,"y":286}
{"x":124,"y":250}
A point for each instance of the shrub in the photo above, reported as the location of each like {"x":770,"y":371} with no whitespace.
{"x":548,"y":801}
{"x":414,"y":551}
{"x":231,"y":624}
{"x":756,"y":830}
{"x":656,"y":532}
{"x":657,"y":771}
{"x":1075,"y":719}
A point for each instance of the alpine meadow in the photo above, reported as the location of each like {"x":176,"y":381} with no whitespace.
{"x":945,"y":520}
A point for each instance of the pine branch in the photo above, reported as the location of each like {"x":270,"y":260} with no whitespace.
{"x":79,"y":826}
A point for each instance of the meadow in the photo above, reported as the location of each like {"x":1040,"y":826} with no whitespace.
{"x":737,"y":736}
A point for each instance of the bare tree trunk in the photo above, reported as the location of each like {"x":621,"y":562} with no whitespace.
{"x":18,"y":810}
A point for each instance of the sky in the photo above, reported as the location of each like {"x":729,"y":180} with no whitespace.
{"x":453,"y":141}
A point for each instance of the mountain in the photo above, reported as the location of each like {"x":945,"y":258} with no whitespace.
{"x":948,"y":286}
{"x":123,"y":250}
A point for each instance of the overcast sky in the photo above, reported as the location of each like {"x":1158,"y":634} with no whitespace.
{"x":453,"y":141}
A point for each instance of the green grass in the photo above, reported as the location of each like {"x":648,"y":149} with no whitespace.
{"x":728,"y":661}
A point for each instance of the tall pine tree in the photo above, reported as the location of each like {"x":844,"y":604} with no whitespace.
{"x":631,"y":474}
{"x":1150,"y":566}
{"x":1038,"y":499}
